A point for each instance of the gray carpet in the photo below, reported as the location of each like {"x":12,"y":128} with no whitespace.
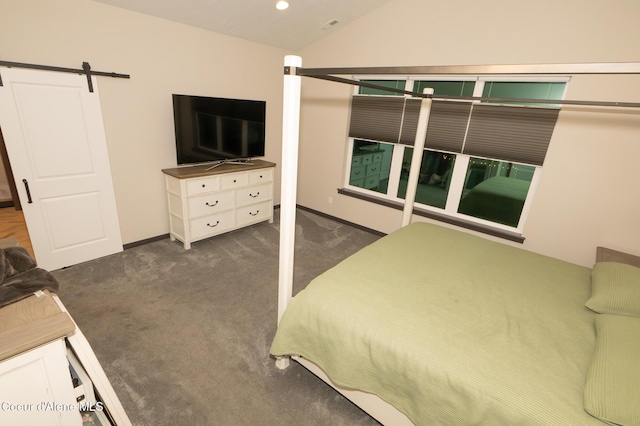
{"x":184,"y":335}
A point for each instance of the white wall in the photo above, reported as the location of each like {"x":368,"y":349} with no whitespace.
{"x":162,"y":58}
{"x":588,"y":195}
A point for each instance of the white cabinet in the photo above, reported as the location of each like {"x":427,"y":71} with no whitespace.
{"x":49,"y":374}
{"x":36,"y":388}
{"x":203,"y":203}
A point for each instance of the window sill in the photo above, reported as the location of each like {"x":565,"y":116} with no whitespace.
{"x":511,"y":236}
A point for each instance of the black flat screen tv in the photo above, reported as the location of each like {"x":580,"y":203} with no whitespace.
{"x":210,"y":130}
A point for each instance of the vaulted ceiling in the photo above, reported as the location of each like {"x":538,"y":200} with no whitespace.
{"x":303,"y":23}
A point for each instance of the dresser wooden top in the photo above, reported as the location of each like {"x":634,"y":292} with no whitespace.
{"x":31,"y":322}
{"x":188,"y":172}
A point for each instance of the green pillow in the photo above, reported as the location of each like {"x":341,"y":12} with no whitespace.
{"x":615,"y":289}
{"x":612,"y":390}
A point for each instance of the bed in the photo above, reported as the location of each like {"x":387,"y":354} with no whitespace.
{"x":498,"y":198}
{"x":451,"y":328}
{"x":434,"y":326}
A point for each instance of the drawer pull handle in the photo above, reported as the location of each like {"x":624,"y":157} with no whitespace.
{"x":254,"y":196}
{"x":203,"y":185}
{"x":255,"y":214}
{"x":212,"y":205}
{"x":214,"y":225}
{"x":234,"y":181}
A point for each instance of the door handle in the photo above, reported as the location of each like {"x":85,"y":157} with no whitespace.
{"x":26,"y":187}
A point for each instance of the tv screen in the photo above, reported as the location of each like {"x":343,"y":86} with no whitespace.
{"x":216,"y":129}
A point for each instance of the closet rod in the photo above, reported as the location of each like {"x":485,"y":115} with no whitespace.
{"x":472,"y":98}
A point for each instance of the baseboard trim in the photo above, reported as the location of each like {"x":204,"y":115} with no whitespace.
{"x":145,"y":241}
{"x":343,"y":221}
{"x":277,"y":206}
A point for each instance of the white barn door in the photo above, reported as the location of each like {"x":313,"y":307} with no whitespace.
{"x":53,"y":131}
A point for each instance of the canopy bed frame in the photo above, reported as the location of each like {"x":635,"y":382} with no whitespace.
{"x":375,"y":406}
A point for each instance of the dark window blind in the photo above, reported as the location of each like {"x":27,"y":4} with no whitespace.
{"x":510,"y":133}
{"x":446,"y":128}
{"x":505,"y":132}
{"x":410,"y":121}
{"x":377,"y":118}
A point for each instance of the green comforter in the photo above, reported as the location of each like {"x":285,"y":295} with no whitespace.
{"x":451,"y":329}
{"x":498,"y":199}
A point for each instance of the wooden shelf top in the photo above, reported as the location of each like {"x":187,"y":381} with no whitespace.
{"x":188,"y":172}
{"x":31,"y":322}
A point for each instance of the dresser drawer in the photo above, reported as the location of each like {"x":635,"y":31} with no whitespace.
{"x":212,"y":224}
{"x":367,"y":159}
{"x":202,"y":185}
{"x":234,"y":180}
{"x":258,"y":176}
{"x":358,"y":172}
{"x":357,"y":182}
{"x":371,"y":181}
{"x":253,"y":194}
{"x":210,"y":203}
{"x":373,"y":169}
{"x":254,"y":212}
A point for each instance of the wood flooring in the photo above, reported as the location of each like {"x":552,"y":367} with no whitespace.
{"x":12,"y":224}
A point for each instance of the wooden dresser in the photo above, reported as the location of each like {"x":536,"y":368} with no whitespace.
{"x":203,"y":203}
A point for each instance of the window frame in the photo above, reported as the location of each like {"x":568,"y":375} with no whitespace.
{"x":450,"y":212}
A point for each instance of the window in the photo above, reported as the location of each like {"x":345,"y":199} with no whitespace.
{"x":371,"y":165}
{"x":495,"y":190}
{"x":434,"y":179}
{"x":526,"y":90}
{"x":481,"y":159}
{"x":450,"y":88}
{"x":395,"y":84}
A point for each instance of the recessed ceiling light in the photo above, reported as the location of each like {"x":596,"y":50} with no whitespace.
{"x":282,"y":5}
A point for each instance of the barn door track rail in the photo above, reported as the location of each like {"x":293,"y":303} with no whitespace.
{"x":86,"y":70}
